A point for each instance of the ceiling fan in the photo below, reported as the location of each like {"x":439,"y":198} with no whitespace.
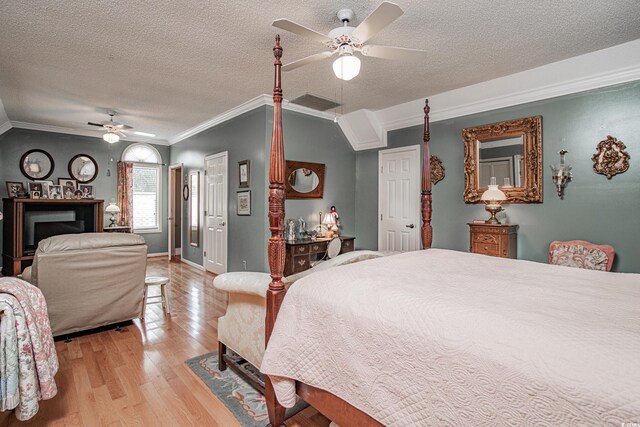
{"x":114,"y":130}
{"x":346,"y":41}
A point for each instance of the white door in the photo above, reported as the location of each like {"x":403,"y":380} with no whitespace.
{"x":216,"y":212}
{"x":399,"y":199}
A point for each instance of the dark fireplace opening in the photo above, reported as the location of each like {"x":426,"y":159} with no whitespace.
{"x":44,"y":230}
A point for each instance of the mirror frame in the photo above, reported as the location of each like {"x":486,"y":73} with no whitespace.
{"x":530,"y":128}
{"x":292,"y":193}
{"x":95,"y":164}
{"x":26,"y":174}
{"x":196,"y":242}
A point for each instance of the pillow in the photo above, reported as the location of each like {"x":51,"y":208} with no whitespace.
{"x":344,"y":259}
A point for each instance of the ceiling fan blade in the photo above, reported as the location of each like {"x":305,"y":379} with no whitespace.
{"x":121,"y":126}
{"x":292,"y":27}
{"x":308,"y":60}
{"x":94,"y":124}
{"x":121,"y":134}
{"x":384,"y":15}
{"x":389,"y":52}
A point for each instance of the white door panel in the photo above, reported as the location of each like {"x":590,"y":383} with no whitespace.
{"x":399,"y":199}
{"x":216,"y":221}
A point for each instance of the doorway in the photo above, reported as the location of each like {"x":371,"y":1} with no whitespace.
{"x":399,"y":199}
{"x":174,"y":230}
{"x":216,"y":175}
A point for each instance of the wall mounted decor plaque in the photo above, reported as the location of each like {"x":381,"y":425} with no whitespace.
{"x":437,"y":170}
{"x":610,"y":158}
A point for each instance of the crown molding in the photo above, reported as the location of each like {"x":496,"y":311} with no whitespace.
{"x":252,"y":104}
{"x":5,"y":127}
{"x":607,"y":67}
{"x":90,"y":133}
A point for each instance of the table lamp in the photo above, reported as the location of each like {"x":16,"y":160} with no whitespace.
{"x":330,"y":222}
{"x":493,"y":199}
{"x":113,"y":210}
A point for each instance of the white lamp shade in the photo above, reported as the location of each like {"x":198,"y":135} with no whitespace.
{"x":493,"y":194}
{"x":112,"y":208}
{"x":111,"y":137}
{"x":346,"y":67}
{"x":329,"y":219}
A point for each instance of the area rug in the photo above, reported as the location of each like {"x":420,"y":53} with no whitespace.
{"x":245,"y":403}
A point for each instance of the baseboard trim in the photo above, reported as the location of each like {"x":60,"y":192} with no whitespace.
{"x":192,"y":264}
{"x":158,"y":254}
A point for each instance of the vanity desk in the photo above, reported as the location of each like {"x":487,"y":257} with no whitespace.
{"x":300,"y":254}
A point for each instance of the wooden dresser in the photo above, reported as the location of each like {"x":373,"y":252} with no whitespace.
{"x":493,"y":239}
{"x":301,"y":254}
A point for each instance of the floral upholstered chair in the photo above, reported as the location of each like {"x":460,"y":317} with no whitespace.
{"x":581,"y":254}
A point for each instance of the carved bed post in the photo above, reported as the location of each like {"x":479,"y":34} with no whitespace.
{"x":276,"y":250}
{"x":427,"y":230}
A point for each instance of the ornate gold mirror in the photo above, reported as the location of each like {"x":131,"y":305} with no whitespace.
{"x":511,"y":152}
{"x":194,"y":209}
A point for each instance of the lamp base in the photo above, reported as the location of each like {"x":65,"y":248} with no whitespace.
{"x":493,"y":210}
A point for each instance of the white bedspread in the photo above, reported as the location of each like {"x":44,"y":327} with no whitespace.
{"x":440,"y":337}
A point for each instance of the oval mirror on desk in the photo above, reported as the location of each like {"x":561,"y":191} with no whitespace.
{"x":83,"y":168}
{"x":305,"y":180}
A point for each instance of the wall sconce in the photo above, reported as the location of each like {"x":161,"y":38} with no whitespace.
{"x":561,"y":174}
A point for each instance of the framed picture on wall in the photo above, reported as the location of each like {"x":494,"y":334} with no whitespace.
{"x":244,"y":172}
{"x":244,"y":202}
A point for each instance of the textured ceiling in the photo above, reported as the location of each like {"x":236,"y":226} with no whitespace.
{"x":169,"y":65}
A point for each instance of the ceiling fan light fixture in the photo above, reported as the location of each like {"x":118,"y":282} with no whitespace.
{"x":111,"y":137}
{"x":346,"y":66}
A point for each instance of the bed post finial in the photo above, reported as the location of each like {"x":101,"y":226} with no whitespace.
{"x":276,"y":249}
{"x":427,"y":230}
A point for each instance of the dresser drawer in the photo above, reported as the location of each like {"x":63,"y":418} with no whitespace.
{"x":492,"y":249}
{"x":318,"y":247}
{"x":301,"y":263}
{"x":485,"y":238}
{"x":301,"y":249}
{"x":347,"y":246}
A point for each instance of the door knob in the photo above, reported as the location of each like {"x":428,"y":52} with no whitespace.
{"x":223,"y":224}
{"x":410,"y":226}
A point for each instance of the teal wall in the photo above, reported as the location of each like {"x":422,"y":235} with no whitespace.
{"x":594,"y":208}
{"x":311,"y":139}
{"x":62,"y":147}
{"x":248,"y":136}
{"x":243,"y":138}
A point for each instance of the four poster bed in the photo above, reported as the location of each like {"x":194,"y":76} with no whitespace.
{"x":441,"y":337}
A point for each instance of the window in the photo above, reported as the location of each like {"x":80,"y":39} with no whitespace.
{"x":147,"y":176}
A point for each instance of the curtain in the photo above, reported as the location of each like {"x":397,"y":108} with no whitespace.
{"x":125,"y":193}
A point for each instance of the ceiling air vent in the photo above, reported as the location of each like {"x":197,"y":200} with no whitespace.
{"x":315,"y":102}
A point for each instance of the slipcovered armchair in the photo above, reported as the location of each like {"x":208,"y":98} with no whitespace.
{"x":90,"y":279}
{"x":241,"y":329}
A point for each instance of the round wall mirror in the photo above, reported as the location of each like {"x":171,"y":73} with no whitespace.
{"x":36,"y":164}
{"x":304,"y":180}
{"x":83,"y":168}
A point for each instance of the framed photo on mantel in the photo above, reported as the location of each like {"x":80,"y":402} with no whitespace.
{"x":244,"y":173}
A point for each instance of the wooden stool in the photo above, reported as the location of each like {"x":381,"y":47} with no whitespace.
{"x":165,"y":288}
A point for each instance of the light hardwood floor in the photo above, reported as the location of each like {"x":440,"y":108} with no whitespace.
{"x":138,"y":376}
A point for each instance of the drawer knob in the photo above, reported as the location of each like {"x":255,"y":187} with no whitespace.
{"x":486,"y":248}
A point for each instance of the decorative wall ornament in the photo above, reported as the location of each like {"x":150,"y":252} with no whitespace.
{"x":529,"y":129}
{"x":610,"y":158}
{"x":437,"y":170}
